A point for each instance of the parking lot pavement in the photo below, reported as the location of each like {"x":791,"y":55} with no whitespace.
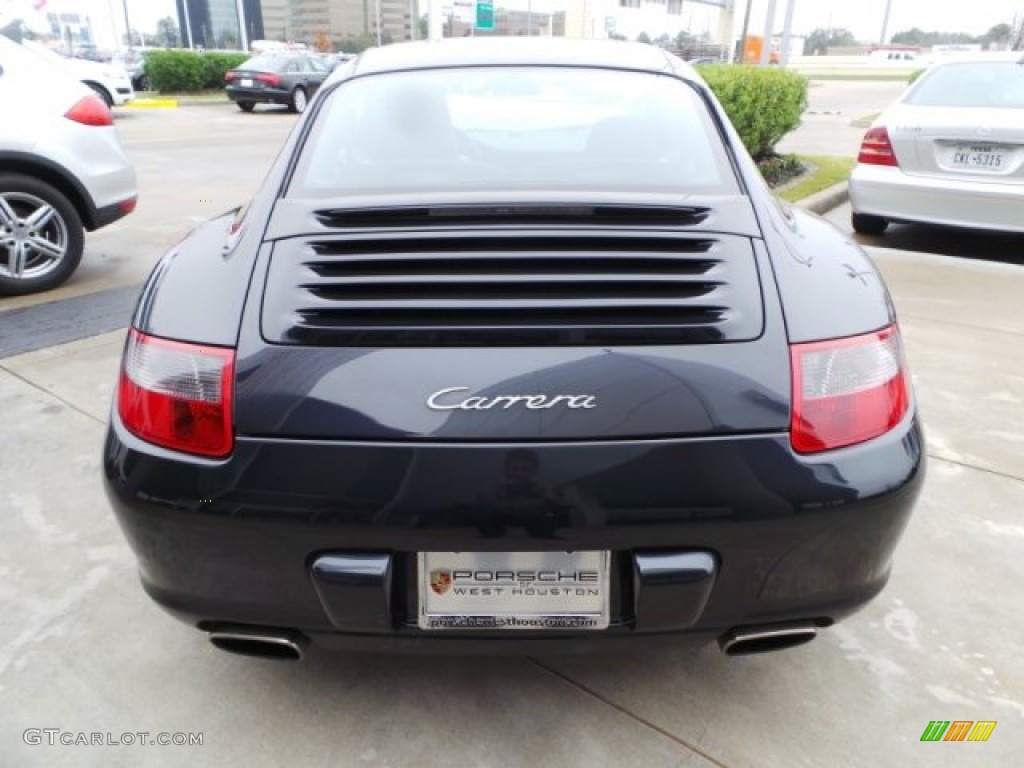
{"x":83,"y":650}
{"x":828,"y":126}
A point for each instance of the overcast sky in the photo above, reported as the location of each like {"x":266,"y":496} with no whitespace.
{"x":862,"y":17}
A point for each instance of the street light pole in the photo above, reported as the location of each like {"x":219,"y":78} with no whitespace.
{"x":244,"y":38}
{"x":885,"y":21}
{"x":127,"y":24}
{"x":787,"y":32}
{"x":743,"y":34}
{"x":769,"y":32}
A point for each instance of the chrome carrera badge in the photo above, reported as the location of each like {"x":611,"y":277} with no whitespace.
{"x":452,"y":399}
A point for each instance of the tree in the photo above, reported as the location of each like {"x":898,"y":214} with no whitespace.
{"x":917,"y":36}
{"x":643,"y":37}
{"x":821,"y":39}
{"x":167,"y":32}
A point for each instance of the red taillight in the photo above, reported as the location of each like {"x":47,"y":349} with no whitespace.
{"x":846,"y":391}
{"x":230,"y":77}
{"x":272,"y":80}
{"x":876,"y":149}
{"x":90,"y":110}
{"x":127,"y":206}
{"x":178,"y":395}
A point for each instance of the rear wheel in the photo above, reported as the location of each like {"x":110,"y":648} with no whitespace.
{"x":866,"y":224}
{"x":299,"y":101}
{"x":246,"y":106}
{"x":41,"y":236}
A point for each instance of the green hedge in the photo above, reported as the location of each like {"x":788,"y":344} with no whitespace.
{"x":763,"y":103}
{"x":184,"y":71}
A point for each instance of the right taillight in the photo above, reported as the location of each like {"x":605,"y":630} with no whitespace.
{"x":876,"y":149}
{"x":90,"y":110}
{"x":178,"y":395}
{"x":846,"y":391}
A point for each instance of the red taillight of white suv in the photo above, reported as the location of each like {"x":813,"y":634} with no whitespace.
{"x":876,"y":149}
{"x":90,"y":110}
{"x":846,"y":391}
{"x":178,"y":395}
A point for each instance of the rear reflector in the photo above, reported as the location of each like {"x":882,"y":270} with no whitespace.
{"x":90,"y":110}
{"x":177,"y":395}
{"x":127,"y":206}
{"x":876,"y":149}
{"x":846,"y":391}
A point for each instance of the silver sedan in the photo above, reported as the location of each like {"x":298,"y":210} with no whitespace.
{"x":949,"y":152}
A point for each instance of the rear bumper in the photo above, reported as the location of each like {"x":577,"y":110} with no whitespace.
{"x":259,"y":95}
{"x":238,"y":542}
{"x":893,"y":194}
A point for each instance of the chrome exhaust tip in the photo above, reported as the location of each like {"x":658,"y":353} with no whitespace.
{"x":263,"y":644}
{"x":777,"y":637}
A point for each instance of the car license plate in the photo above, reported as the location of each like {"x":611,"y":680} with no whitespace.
{"x":979,"y":157}
{"x":245,"y":82}
{"x":513,"y":590}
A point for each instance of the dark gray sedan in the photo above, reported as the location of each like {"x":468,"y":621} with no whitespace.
{"x":276,"y":78}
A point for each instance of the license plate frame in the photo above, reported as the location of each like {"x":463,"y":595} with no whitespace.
{"x":540,"y":591}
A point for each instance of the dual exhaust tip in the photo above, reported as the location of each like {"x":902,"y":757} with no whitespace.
{"x":745,"y":641}
{"x":281,"y":645}
{"x":286,"y":645}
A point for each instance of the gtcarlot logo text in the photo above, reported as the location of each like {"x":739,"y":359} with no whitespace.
{"x":56,"y":736}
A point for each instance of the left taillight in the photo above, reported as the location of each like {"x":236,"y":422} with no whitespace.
{"x":178,"y":395}
{"x":847,"y":391}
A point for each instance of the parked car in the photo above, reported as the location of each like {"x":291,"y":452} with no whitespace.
{"x":134,"y":62}
{"x":290,"y":78}
{"x":62,"y":171}
{"x":949,"y":152}
{"x":513,"y":349}
{"x":109,"y":79}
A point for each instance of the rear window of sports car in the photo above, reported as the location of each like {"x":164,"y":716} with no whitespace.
{"x":513,"y":128}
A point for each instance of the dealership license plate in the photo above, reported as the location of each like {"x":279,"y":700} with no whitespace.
{"x":245,"y":82}
{"x":979,"y":157}
{"x":513,"y":590}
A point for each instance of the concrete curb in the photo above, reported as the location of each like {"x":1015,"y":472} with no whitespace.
{"x":824,"y":201}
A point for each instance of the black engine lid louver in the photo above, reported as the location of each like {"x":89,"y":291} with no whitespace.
{"x":517,"y":214}
{"x":479,"y":286}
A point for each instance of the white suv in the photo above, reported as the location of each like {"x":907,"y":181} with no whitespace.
{"x":62,"y":171}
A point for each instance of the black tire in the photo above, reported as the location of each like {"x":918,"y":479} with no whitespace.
{"x":103,"y":94}
{"x":866,"y":224}
{"x":246,"y":106}
{"x":299,"y":101}
{"x":62,"y":236}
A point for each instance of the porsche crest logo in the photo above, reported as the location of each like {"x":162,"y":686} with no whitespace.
{"x":440,"y":581}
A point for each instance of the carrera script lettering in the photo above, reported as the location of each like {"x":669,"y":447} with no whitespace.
{"x":451,"y":399}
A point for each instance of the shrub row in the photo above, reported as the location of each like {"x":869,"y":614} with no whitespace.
{"x":185,"y":71}
{"x":763,"y":103}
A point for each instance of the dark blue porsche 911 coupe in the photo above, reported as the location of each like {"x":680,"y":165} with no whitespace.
{"x":513,"y":350}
